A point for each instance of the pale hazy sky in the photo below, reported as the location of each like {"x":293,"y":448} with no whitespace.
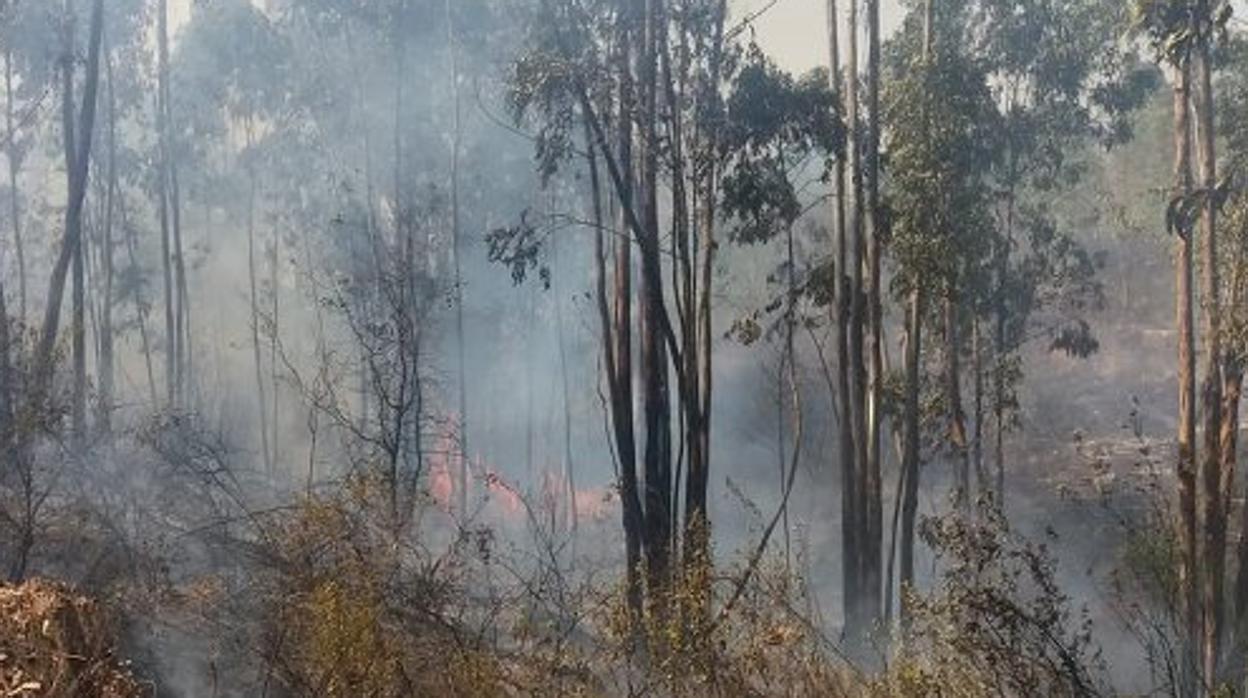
{"x":795,"y":31}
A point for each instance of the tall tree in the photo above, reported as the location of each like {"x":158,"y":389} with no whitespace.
{"x":78,"y":326}
{"x":13,"y":154}
{"x":168,"y":253}
{"x":875,"y":318}
{"x":39,"y":388}
{"x":1211,"y":462}
{"x":843,"y":295}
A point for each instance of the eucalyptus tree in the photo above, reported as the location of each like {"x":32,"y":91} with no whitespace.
{"x":81,"y":123}
{"x":711,"y":128}
{"x":173,"y":262}
{"x":228,"y":66}
{"x":940,"y":141}
{"x":1183,"y":35}
{"x":1234,"y":129}
{"x":565,"y":78}
{"x":123,"y":41}
{"x":1062,"y":79}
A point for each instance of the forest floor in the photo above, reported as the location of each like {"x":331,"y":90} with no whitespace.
{"x":56,"y":643}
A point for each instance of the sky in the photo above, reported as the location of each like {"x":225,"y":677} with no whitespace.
{"x":795,"y":31}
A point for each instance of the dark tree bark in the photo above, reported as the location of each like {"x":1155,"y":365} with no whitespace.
{"x":843,"y":296}
{"x":78,"y":326}
{"x":656,"y":399}
{"x":858,"y":613}
{"x":874,"y":500}
{"x":45,"y":355}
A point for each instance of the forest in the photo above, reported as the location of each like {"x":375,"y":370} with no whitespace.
{"x":386,"y":348}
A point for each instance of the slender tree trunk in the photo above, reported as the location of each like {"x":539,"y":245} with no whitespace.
{"x":141,"y":307}
{"x":457,"y":252}
{"x":261,"y":402}
{"x":177,"y":323}
{"x":1228,"y":447}
{"x":1186,"y":466}
{"x":15,"y":213}
{"x":914,"y":358}
{"x":78,"y":318}
{"x":274,"y":326}
{"x":983,"y":482}
{"x":859,"y":613}
{"x":162,"y":192}
{"x":106,"y":368}
{"x":569,"y":463}
{"x":45,"y":351}
{"x":182,"y":322}
{"x":875,"y":319}
{"x":6,"y":387}
{"x":656,"y":400}
{"x":698,"y":373}
{"x":1211,"y":463}
{"x":910,"y":455}
{"x":953,"y":394}
{"x":1000,"y":350}
{"x":843,"y":295}
{"x":617,"y":329}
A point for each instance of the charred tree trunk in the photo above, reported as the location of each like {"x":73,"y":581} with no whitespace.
{"x":45,"y":351}
{"x":843,"y":300}
{"x":616,"y":315}
{"x":875,"y":320}
{"x":698,"y":386}
{"x":656,"y":399}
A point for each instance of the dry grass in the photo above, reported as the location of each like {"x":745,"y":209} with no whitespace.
{"x":55,"y":643}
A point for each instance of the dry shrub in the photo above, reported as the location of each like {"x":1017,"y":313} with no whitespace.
{"x":995,"y":624}
{"x":356,"y":607}
{"x":56,"y":644}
